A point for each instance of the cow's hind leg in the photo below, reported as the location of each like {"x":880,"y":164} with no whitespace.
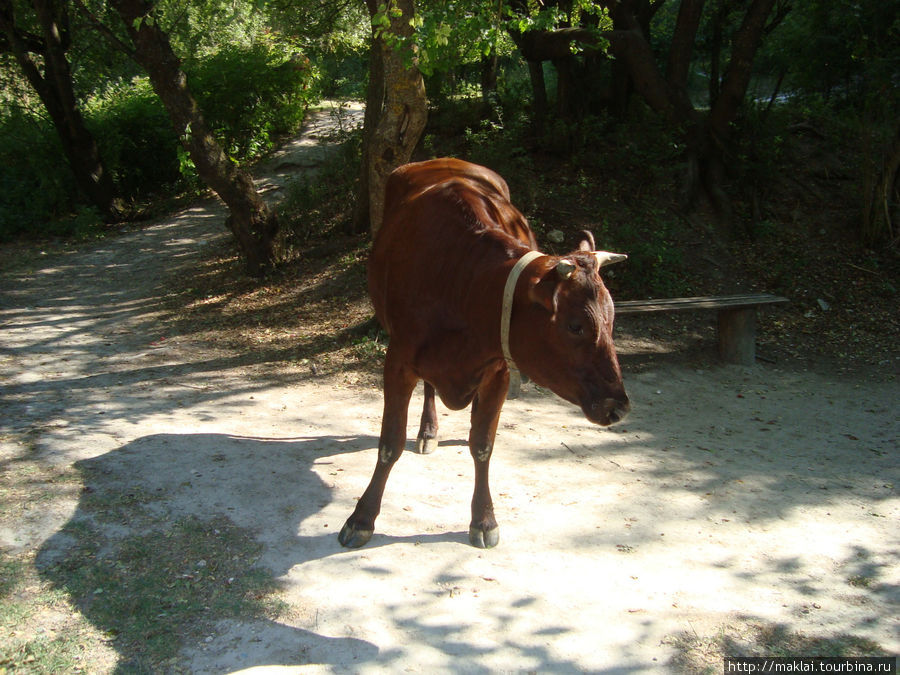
{"x":483,"y":530}
{"x":426,"y":441}
{"x":398,"y":387}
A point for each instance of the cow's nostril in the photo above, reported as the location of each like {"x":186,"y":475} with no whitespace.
{"x":614,"y":409}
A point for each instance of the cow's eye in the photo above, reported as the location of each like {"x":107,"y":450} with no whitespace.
{"x":576,"y":327}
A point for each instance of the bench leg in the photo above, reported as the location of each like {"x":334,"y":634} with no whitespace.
{"x":737,"y":335}
{"x":515,"y":383}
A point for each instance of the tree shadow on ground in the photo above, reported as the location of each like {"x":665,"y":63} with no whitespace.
{"x":180,"y":542}
{"x":175,"y":534}
{"x":751,"y":637}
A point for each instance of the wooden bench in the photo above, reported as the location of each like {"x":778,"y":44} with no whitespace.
{"x":736,"y":324}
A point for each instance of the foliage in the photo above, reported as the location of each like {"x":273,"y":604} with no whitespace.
{"x":453,"y":40}
{"x":252,"y":94}
{"x":136,"y":140}
{"x":590,"y":174}
{"x":317,"y":205}
{"x":450,"y":39}
{"x":845,"y":50}
{"x":202,"y":28}
{"x":33,"y":189}
{"x":343,"y":69}
{"x":593,"y":16}
{"x":837,"y":59}
{"x":335,"y":35}
{"x":845,"y":57}
{"x":458,"y":33}
{"x":498,"y":142}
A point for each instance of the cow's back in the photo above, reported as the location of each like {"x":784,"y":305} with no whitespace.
{"x":444,"y":220}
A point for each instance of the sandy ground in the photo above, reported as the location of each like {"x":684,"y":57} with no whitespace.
{"x":731,"y":497}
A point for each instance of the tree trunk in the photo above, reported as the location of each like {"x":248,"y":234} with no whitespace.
{"x":537,"y":46}
{"x":632,"y":18}
{"x":629,"y":45}
{"x":253,"y":225}
{"x":715,"y":49}
{"x":740,"y":66}
{"x":538,"y":90}
{"x":881,"y":204}
{"x":727,"y":105}
{"x":679,"y":68}
{"x":489,"y":65}
{"x":707,"y":136}
{"x":403,"y":113}
{"x":374,"y":103}
{"x":56,"y":91}
{"x":567,"y":97}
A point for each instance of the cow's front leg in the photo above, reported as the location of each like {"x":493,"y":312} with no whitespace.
{"x":426,"y":441}
{"x":483,"y":530}
{"x":398,"y":387}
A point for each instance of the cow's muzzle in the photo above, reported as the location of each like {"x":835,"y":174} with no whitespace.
{"x":607,"y":411}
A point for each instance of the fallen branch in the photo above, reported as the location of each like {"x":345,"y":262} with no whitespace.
{"x":863,"y":269}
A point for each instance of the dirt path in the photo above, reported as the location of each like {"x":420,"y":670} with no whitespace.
{"x":738,"y":509}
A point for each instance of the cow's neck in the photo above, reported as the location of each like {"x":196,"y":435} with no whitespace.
{"x":509,"y":292}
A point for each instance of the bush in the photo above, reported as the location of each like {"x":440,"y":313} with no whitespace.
{"x":137,"y":141}
{"x":40,"y":196}
{"x":320,"y":204}
{"x":34,"y":188}
{"x":344,"y":72}
{"x":252,"y":94}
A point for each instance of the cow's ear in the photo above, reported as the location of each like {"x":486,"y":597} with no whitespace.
{"x":585,"y":241}
{"x":545,"y":290}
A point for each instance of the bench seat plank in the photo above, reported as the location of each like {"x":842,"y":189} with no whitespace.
{"x":709,"y":302}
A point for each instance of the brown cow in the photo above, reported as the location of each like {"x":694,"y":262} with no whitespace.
{"x":456,"y":282}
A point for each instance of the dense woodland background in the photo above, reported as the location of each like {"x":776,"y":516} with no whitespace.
{"x":723,"y":144}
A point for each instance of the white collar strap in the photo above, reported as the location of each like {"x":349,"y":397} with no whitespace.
{"x":508,"y":292}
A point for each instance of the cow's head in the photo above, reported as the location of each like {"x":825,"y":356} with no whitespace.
{"x":561,"y":333}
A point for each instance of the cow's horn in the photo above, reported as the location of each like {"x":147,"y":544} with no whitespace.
{"x":565,"y":268}
{"x":607,"y":258}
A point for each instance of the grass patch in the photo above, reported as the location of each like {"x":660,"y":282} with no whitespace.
{"x":147,"y":592}
{"x":42,"y":632}
{"x":120,"y":586}
{"x":705,"y":654}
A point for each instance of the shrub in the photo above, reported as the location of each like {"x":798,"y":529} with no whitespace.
{"x":34,"y":188}
{"x":252,"y":94}
{"x":137,"y":141}
{"x":319,"y":204}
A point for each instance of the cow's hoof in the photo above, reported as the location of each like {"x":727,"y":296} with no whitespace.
{"x":484,"y":539}
{"x":425,"y":446}
{"x":350,"y":537}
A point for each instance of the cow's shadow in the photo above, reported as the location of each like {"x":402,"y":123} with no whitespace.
{"x":197,"y":528}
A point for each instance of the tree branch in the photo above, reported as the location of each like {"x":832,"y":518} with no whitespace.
{"x":12,"y":38}
{"x":655,"y":7}
{"x":781,"y":11}
{"x":548,"y":45}
{"x":683,"y":38}
{"x":103,"y":29}
{"x":737,"y":75}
